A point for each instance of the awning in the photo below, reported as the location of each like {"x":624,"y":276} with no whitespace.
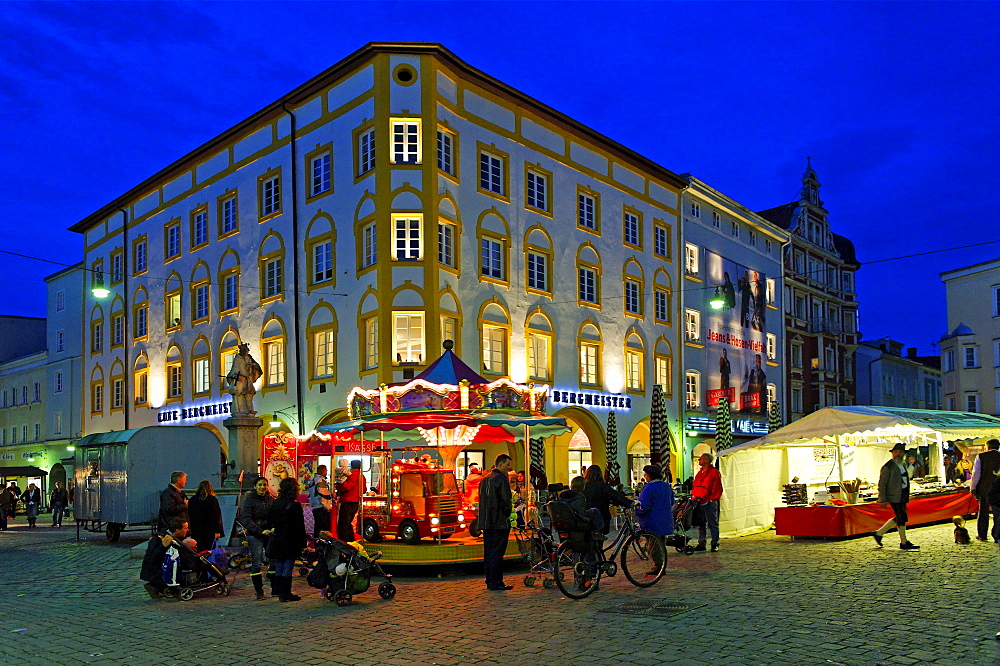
{"x":24,"y":470}
{"x":113,"y":437}
{"x":887,"y":422}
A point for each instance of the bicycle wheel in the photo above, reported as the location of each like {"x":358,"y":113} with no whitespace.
{"x":644,"y":559}
{"x":576,"y":574}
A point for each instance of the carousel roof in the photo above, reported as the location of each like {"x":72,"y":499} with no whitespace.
{"x":450,"y":369}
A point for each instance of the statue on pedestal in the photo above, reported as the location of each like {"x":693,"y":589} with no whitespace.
{"x":244,"y":372}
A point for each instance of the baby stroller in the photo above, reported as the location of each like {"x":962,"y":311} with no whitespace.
{"x":345,"y":571}
{"x":193,"y":572}
{"x":537,"y":548}
{"x":684,"y":510}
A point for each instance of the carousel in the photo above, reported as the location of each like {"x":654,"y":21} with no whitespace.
{"x":410,"y":437}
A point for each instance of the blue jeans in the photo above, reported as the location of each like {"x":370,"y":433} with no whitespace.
{"x":711,"y":511}
{"x":57,"y":514}
{"x":284,"y":567}
{"x":258,"y":561}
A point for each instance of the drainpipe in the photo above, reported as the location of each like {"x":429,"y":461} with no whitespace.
{"x":296,"y":325}
{"x":127,"y":403}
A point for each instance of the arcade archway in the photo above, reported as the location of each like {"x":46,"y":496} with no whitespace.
{"x":570,"y":454}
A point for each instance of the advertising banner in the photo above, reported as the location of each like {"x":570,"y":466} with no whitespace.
{"x":735,"y":341}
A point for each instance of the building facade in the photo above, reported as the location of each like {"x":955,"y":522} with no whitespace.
{"x":399,"y":199}
{"x":821,"y":309}
{"x":736,"y":351}
{"x":40,"y":402}
{"x":970,"y":353}
{"x":883,"y":376}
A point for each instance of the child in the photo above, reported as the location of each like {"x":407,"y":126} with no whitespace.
{"x":961,"y":534}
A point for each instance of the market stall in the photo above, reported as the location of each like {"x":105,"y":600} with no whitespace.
{"x":842,"y":449}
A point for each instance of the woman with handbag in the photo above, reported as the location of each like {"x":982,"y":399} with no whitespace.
{"x":205,"y":516}
{"x":253,"y":517}
{"x":288,"y":537}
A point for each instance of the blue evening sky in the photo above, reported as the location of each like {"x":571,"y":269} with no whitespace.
{"x":896,"y":102}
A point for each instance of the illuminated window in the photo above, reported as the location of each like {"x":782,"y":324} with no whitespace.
{"x":692,"y":325}
{"x":407,"y":237}
{"x":202,"y":375}
{"x":539,"y":342}
{"x":175,"y":374}
{"x":716,"y":219}
{"x":772,"y":346}
{"x":695,"y":209}
{"x":228,"y":350}
{"x":371,"y":343}
{"x":449,"y":326}
{"x":590,"y":355}
{"x":691,"y":266}
{"x":173,"y":308}
{"x":405,"y":141}
{"x":408,"y":337}
{"x":663,"y":370}
{"x":692,"y":389}
{"x":769,"y":291}
{"x":634,"y":363}
{"x":96,"y":398}
{"x":324,"y":350}
{"x":494,"y":350}
{"x":273,"y":343}
{"x":57,"y":423}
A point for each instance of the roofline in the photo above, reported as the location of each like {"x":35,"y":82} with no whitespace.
{"x":339,"y":69}
{"x":698,"y":186}
{"x":63,"y":271}
{"x":969,"y":270}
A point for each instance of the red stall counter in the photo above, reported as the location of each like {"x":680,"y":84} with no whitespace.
{"x":850,"y":520}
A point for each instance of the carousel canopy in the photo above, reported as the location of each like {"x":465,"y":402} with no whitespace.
{"x":886,"y":422}
{"x":450,"y":369}
{"x":492,"y":427}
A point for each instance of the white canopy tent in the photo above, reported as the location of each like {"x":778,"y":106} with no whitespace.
{"x":830,"y":445}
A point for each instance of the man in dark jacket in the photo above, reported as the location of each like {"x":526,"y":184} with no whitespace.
{"x":173,"y":501}
{"x":495,"y":505}
{"x":984,"y":476}
{"x":57,"y":501}
{"x":894,"y":490}
{"x":156,"y":550}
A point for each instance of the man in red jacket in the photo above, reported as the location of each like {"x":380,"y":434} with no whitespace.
{"x":350,"y":492}
{"x":707,"y":489}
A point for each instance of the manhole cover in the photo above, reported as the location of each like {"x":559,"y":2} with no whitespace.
{"x":661,"y":608}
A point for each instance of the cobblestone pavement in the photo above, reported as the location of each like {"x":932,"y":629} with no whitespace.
{"x":761,"y":600}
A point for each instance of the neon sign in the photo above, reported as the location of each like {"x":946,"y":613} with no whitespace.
{"x":211,"y":410}
{"x":590,"y":399}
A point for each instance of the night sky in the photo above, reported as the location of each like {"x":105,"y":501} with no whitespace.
{"x":896,"y":103}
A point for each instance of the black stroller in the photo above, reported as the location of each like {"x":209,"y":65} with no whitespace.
{"x":195,"y":573}
{"x":344,"y":572}
{"x":684,"y":514}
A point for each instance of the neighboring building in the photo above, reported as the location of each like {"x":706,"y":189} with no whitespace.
{"x":821,"y":310}
{"x":883,"y":376}
{"x":736,"y":350}
{"x":970,"y":354}
{"x":398,"y":199}
{"x":39,"y":392}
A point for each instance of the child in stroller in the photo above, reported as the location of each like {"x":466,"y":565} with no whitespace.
{"x":171,"y":567}
{"x":345,"y":569}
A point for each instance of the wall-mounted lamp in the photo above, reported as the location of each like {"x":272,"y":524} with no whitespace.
{"x":718,"y":301}
{"x":274,"y":422}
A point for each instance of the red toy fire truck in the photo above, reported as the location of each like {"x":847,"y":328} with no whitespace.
{"x":423,"y":500}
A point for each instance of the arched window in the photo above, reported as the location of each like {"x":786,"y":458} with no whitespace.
{"x":494,"y":325}
{"x":140,"y":314}
{"x":229,"y":283}
{"x":97,"y":391}
{"x":493,"y":236}
{"x":664,"y":366}
{"x":634,"y":290}
{"x":228,"y":348}
{"x":201,"y":368}
{"x":172,"y":303}
{"x":175,"y":374}
{"x":590,"y":345}
{"x":200,"y":290}
{"x":321,"y":244}
{"x":97,"y":330}
{"x":117,"y":383}
{"x":140,"y":377}
{"x":588,"y":268}
{"x":539,"y":338}
{"x":273,"y":342}
{"x":322,"y":332}
{"x":271,"y":264}
{"x":538,"y":261}
{"x":635,"y":363}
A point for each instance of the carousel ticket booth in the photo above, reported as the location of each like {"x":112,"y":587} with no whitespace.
{"x":818,"y":476}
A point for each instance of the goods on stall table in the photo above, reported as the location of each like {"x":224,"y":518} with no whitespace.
{"x":795,"y":493}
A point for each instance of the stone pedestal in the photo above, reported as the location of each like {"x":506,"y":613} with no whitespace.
{"x":244,"y":444}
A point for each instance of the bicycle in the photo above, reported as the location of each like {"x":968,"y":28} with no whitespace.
{"x":579,"y":562}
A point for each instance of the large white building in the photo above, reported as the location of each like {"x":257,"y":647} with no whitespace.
{"x":970,"y":352}
{"x":736,"y":350}
{"x":40,"y":397}
{"x":398,"y":199}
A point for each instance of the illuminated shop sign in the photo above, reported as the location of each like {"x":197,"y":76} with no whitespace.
{"x":740,"y":426}
{"x":27,"y":455}
{"x":588,"y":399}
{"x":201,"y":412}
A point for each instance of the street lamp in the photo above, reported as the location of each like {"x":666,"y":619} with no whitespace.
{"x":99,"y":290}
{"x":717,"y":301}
